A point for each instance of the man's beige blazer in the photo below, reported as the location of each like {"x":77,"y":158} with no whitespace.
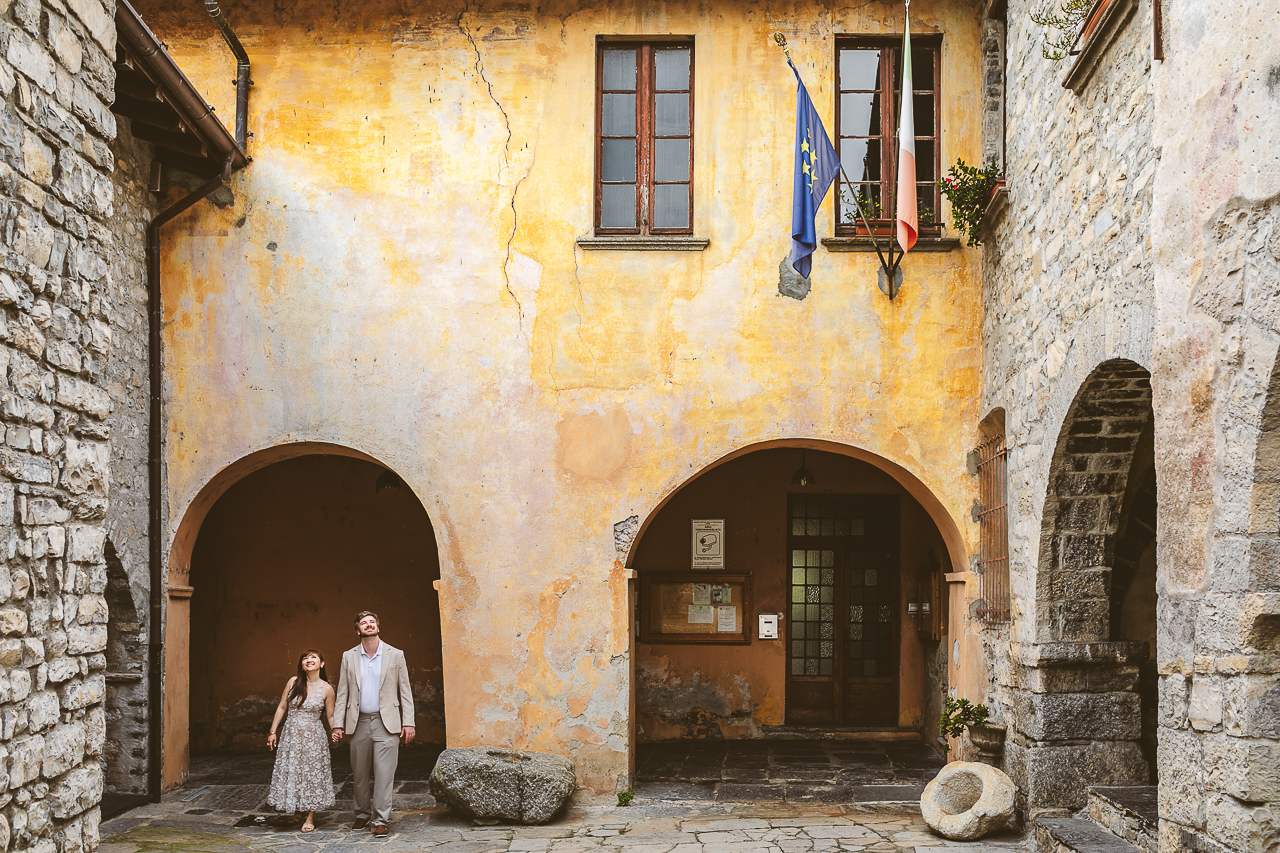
{"x":395,"y":696}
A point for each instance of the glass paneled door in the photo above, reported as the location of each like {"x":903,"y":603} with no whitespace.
{"x":843,"y":626}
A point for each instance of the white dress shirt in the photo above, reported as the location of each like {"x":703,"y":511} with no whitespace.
{"x":370,"y":679}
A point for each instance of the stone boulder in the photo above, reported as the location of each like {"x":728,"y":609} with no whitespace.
{"x":508,"y":784}
{"x":967,"y":800}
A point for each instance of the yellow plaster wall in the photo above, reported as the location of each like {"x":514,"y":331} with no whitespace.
{"x":399,"y":275}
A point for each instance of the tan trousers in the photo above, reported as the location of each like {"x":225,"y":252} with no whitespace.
{"x":374,"y":755}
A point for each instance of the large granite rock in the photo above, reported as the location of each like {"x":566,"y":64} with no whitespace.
{"x":967,"y":800}
{"x":508,"y":784}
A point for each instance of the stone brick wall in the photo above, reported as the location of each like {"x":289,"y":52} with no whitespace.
{"x":1217,"y":232}
{"x":59,"y":275}
{"x":127,"y":521}
{"x":1068,"y":286}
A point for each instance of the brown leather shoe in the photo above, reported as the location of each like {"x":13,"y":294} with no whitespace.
{"x":380,"y":830}
{"x":360,"y":823}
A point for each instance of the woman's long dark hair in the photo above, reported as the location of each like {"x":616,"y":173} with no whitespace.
{"x":299,"y":691}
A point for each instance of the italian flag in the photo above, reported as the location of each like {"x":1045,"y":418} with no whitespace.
{"x":908,"y":224}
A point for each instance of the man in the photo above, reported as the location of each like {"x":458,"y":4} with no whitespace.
{"x":374,"y":698}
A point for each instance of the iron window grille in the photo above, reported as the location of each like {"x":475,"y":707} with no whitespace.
{"x":993,"y":531}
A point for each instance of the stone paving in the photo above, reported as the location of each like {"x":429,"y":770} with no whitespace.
{"x":645,"y":826}
{"x":792,"y":770}
{"x":222,"y":809}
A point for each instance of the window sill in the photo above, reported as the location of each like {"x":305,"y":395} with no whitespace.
{"x":1101,"y":32}
{"x":644,"y":244}
{"x":865,"y":244}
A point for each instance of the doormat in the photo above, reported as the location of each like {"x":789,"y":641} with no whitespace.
{"x":233,"y":797}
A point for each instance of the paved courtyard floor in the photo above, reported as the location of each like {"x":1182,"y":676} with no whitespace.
{"x":645,"y":826}
{"x":810,"y":798}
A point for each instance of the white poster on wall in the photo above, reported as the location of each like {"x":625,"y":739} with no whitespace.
{"x":708,"y":543}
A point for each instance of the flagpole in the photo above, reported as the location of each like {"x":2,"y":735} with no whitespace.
{"x":875,"y":243}
{"x":897,"y":168}
{"x":781,"y":41}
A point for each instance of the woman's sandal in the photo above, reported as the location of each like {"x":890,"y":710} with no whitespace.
{"x":308,"y":826}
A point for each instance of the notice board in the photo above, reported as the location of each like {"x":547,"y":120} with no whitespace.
{"x":695,"y":607}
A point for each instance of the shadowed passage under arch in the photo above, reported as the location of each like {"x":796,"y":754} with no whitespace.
{"x":282,"y":562}
{"x":837,"y":558}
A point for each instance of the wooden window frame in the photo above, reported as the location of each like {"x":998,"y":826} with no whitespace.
{"x":891,"y":56}
{"x":645,"y":135}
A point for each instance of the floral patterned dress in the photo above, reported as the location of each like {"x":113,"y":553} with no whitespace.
{"x":302,"y":780}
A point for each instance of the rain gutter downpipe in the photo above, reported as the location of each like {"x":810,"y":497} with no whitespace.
{"x":155,"y":524}
{"x":242,"y":69}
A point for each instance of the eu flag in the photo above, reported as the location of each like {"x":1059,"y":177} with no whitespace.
{"x":816,"y":167}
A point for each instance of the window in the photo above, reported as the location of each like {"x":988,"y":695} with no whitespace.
{"x":644,"y":150}
{"x":868,"y":72}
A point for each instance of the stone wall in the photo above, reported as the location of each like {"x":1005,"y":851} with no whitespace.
{"x":58,"y":228}
{"x":1067,"y":287}
{"x":1217,"y":274}
{"x":127,"y":522}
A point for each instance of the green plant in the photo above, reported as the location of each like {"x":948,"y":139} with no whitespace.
{"x":1062,"y":20}
{"x":625,"y":797}
{"x":871,"y":207}
{"x":850,"y":203}
{"x":959,"y":714}
{"x":968,"y":188}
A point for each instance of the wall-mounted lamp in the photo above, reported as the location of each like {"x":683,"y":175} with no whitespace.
{"x":803,"y":477}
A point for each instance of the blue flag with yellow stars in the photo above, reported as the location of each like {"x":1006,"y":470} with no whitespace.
{"x":816,"y":167}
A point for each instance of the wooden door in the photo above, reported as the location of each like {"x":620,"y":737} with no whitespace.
{"x":843,"y":628}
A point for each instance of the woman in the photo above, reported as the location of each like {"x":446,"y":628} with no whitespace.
{"x":303,"y":777}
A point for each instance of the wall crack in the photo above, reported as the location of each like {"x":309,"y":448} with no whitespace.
{"x":504,"y":169}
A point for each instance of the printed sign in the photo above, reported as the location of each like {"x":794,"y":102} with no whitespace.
{"x":727,"y":619}
{"x":708,"y":543}
{"x":700,"y":614}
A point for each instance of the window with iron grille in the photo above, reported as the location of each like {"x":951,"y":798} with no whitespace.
{"x":644,"y":144}
{"x":993,"y":529}
{"x":868,"y":81}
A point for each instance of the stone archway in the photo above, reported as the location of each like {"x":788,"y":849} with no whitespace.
{"x":1078,"y":704}
{"x":275,"y":555}
{"x":1087,"y":484}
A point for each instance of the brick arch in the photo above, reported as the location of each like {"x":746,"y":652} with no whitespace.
{"x":1083,"y":506}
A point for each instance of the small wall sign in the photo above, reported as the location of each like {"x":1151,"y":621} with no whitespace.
{"x":708,"y":543}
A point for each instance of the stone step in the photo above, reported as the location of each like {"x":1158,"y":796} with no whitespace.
{"x":1077,"y":835}
{"x":1130,"y":812}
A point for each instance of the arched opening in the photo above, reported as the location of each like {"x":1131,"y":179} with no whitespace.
{"x":124,"y":755}
{"x":1133,"y":585}
{"x":1264,"y":521}
{"x":1089,"y":716}
{"x":281,"y":558}
{"x":844,"y":557}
